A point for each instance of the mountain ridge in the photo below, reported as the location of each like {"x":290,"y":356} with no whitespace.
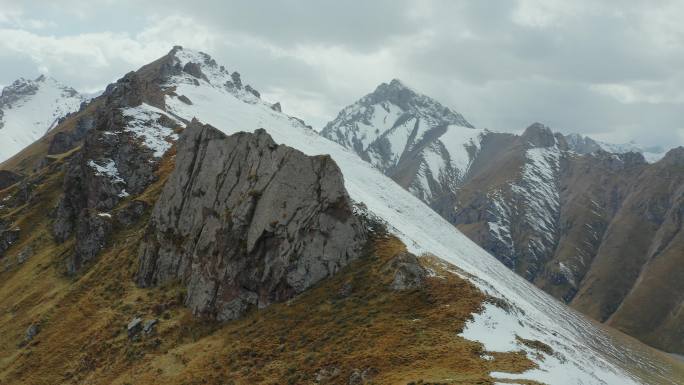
{"x":142,"y":114}
{"x":542,"y":202}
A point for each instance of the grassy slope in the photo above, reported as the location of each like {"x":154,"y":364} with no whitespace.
{"x":404,"y":337}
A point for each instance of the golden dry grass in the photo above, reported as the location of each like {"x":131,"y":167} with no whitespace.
{"x":403,"y":336}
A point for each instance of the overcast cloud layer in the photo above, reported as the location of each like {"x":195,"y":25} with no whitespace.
{"x":610,"y":69}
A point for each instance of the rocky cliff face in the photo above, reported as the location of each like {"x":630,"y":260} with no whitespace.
{"x":123,"y":141}
{"x":244,"y":222}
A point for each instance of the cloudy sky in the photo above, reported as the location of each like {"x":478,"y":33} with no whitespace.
{"x":613,"y":69}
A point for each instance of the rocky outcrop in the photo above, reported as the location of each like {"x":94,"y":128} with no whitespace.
{"x":112,"y":165}
{"x":243,"y":223}
{"x":64,"y":141}
{"x":8,"y":178}
{"x":108,"y":169}
{"x":407,"y":272}
{"x":9,"y":235}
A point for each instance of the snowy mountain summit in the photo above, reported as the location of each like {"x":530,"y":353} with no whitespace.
{"x":30,"y":108}
{"x":414,"y":139}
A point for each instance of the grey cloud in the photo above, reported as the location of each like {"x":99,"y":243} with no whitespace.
{"x":501,"y":67}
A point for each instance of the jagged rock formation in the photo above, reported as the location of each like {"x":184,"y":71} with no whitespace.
{"x":30,"y":108}
{"x":244,"y":222}
{"x":123,"y":141}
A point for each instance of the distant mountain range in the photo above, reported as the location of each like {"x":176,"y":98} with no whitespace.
{"x":591,"y":223}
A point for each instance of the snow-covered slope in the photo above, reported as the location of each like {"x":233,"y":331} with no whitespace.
{"x":583,"y":353}
{"x":423,"y":145}
{"x":30,"y":108}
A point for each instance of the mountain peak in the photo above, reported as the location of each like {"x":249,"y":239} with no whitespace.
{"x":412,"y":102}
{"x":539,"y":135}
{"x":675,"y":156}
{"x":31,"y":107}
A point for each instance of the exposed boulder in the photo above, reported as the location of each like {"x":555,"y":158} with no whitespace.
{"x":245,"y":222}
{"x":277,"y":107}
{"x":252,"y":91}
{"x":134,"y":327}
{"x":149,"y":326}
{"x":407,"y":272}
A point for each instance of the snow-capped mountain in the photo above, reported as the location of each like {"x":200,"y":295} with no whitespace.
{"x":423,"y":145}
{"x":206,"y":92}
{"x":542,"y":203}
{"x":30,"y":108}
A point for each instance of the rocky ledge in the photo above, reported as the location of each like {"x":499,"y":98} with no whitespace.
{"x":243,"y":222}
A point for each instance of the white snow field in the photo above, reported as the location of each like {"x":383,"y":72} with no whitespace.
{"x":583,"y":352}
{"x":28,"y":118}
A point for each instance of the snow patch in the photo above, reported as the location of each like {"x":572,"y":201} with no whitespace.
{"x":144,"y":123}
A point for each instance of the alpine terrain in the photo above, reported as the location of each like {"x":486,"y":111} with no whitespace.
{"x":596,"y":229}
{"x":30,"y":108}
{"x":179,"y":229}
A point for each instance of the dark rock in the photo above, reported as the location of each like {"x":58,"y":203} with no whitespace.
{"x":111,"y":165}
{"x":538,"y":135}
{"x":252,"y":91}
{"x":195,"y":70}
{"x":276,"y":107}
{"x":245,"y":222}
{"x":132,"y":90}
{"x":407,"y":271}
{"x":132,"y":212}
{"x":92,"y":233}
{"x":8,"y":178}
{"x":32,"y":332}
{"x":60,"y":143}
{"x":8,"y":236}
{"x":185,"y":100}
{"x":134,"y":327}
{"x":237,"y":82}
{"x":64,"y":141}
{"x":24,"y":192}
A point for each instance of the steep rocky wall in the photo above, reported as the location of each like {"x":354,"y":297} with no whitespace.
{"x":244,"y":222}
